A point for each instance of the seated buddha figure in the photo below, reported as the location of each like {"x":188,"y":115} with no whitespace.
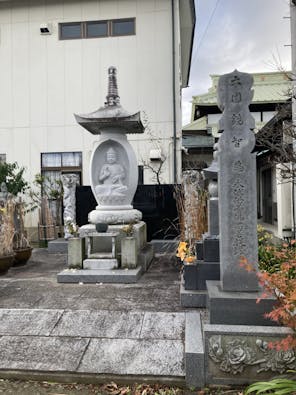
{"x":111,"y":177}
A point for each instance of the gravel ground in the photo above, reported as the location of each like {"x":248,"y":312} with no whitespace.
{"x":18,"y":387}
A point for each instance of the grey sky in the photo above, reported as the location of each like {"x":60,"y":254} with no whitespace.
{"x":249,"y":35}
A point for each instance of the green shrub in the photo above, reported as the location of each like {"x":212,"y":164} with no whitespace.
{"x":13,"y":176}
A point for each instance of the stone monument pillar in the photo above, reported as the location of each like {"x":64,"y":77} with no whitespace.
{"x":113,"y":164}
{"x":237,"y":183}
{"x":232,"y":300}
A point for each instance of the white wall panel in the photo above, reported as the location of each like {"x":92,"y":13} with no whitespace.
{"x":37,"y":76}
{"x":20,"y":74}
{"x":19,"y":11}
{"x":37,"y":11}
{"x":6,"y":104}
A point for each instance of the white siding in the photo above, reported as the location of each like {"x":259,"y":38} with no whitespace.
{"x":45,"y":80}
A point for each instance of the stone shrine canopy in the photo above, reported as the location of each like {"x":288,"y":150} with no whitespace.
{"x":112,"y":115}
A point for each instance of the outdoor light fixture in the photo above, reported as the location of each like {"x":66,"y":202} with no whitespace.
{"x":45,"y":28}
{"x":155,"y":154}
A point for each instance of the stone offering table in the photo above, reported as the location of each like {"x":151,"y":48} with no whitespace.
{"x":100,"y":260}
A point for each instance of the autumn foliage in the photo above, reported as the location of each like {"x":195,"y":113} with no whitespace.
{"x":282,"y":284}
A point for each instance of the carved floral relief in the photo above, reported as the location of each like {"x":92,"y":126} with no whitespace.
{"x":235,"y":355}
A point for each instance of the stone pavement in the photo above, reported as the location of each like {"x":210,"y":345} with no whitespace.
{"x":135,"y":330}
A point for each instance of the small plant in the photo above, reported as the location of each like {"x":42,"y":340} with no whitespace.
{"x":268,"y":257}
{"x":6,"y":228}
{"x":129,"y":230}
{"x":185,"y":252}
{"x":71,"y":227}
{"x":282,"y":386}
{"x":281,"y":284}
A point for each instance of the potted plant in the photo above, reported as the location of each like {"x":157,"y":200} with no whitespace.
{"x":6,"y":236}
{"x":21,"y":244}
{"x":129,"y":250}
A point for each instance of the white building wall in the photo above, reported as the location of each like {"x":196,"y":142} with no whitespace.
{"x":45,"y":80}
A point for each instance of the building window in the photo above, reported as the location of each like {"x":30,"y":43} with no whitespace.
{"x":123,"y":27}
{"x":96,"y":29}
{"x":2,"y":158}
{"x":93,"y":29}
{"x":54,"y":164}
{"x":70,"y":31}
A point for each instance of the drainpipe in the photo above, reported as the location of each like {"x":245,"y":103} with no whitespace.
{"x":174,"y":95}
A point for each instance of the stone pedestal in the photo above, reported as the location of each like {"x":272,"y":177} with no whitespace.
{"x":129,"y":253}
{"x":76,"y":252}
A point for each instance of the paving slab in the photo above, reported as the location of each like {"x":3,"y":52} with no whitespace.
{"x":41,"y":353}
{"x":86,"y":330}
{"x":163,"y":326}
{"x":134,"y":357}
{"x":28,"y":322}
{"x":110,"y":324}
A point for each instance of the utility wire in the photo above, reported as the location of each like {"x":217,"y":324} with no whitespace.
{"x":206,"y":30}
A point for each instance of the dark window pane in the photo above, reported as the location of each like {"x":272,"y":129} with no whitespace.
{"x":96,"y":29}
{"x":72,"y":30}
{"x":123,"y":27}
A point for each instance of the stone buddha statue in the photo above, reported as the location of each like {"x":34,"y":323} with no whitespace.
{"x":111,"y":177}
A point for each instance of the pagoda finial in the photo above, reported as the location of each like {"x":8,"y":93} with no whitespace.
{"x":112,"y":99}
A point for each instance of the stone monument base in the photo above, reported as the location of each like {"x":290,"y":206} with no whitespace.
{"x":102,"y":262}
{"x":232,"y":354}
{"x":197,"y":273}
{"x":113,"y":217}
{"x":233,"y":308}
{"x":192,"y":298}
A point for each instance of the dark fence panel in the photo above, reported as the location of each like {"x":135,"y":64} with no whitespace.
{"x":156,"y":202}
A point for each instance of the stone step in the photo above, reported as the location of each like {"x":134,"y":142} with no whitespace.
{"x":101,"y":263}
{"x":92,"y":276}
{"x":93,"y":342}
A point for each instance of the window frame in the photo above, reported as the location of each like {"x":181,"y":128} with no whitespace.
{"x":69,"y":24}
{"x":85,"y":24}
{"x":110,"y":29}
{"x":122,"y":20}
{"x":64,"y":169}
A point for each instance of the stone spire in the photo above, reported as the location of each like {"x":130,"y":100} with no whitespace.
{"x":112,"y":99}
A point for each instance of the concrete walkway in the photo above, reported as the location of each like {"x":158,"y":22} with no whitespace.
{"x":131,"y":330}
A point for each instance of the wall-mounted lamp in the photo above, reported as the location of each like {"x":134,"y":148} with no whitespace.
{"x":45,"y":28}
{"x":155,"y":154}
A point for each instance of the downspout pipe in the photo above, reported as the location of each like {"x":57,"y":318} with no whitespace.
{"x":174,"y":93}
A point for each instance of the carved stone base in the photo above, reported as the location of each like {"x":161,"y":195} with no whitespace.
{"x":114,"y":216}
